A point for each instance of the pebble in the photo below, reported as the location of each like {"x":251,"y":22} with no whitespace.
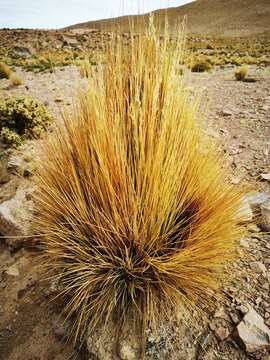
{"x":258,"y":267}
{"x":222,"y":333}
{"x":13,"y":270}
{"x":226,"y":112}
{"x":235,"y":317}
{"x":253,"y":228}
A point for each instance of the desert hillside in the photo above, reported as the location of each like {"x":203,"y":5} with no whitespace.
{"x":205,"y":17}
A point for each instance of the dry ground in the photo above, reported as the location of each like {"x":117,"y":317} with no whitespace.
{"x":239,"y":117}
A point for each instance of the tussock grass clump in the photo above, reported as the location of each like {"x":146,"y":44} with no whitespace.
{"x":5,"y":71}
{"x":133,"y":211}
{"x":22,"y":118}
{"x":15,"y":79}
{"x":241,"y":73}
{"x":201,"y":66}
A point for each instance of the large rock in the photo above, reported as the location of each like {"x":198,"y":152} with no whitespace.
{"x":252,"y":334}
{"x":251,"y":205}
{"x":22,"y":52}
{"x":15,"y":217}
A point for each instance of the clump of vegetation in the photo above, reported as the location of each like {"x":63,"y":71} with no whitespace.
{"x":15,"y":79}
{"x":85,"y":68}
{"x":201,"y":66}
{"x":22,"y":118}
{"x":5,"y":71}
{"x":241,"y":73}
{"x":133,"y":209}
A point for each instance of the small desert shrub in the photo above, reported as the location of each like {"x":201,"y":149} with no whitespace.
{"x":135,"y":215}
{"x":241,"y":73}
{"x":236,"y":60}
{"x":5,"y":71}
{"x":10,"y":137}
{"x":15,"y":79}
{"x":201,"y":66}
{"x":22,"y":118}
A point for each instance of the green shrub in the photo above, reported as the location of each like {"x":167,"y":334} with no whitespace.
{"x":201,"y":66}
{"x":241,"y":73}
{"x":10,"y":137}
{"x":22,"y":118}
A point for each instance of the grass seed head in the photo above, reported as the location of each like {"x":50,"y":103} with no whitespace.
{"x":134,"y":211}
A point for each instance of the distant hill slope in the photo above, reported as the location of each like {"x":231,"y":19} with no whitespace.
{"x":230,"y":18}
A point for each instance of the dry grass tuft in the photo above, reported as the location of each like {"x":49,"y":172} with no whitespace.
{"x":241,"y":73}
{"x":201,"y":66}
{"x":133,"y":209}
{"x":15,"y":79}
{"x":5,"y":71}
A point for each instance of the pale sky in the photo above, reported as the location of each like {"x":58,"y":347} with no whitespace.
{"x":60,"y":13}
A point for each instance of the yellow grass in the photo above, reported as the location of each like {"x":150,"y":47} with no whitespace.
{"x":15,"y":79}
{"x":241,"y":73}
{"x":135,"y":214}
{"x":5,"y":71}
{"x":84,"y":68}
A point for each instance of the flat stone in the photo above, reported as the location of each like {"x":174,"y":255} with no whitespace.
{"x":226,"y":112}
{"x":252,"y":334}
{"x":15,"y":219}
{"x":265,"y":177}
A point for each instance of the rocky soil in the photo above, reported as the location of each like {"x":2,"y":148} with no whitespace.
{"x":28,"y":42}
{"x":31,"y":326}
